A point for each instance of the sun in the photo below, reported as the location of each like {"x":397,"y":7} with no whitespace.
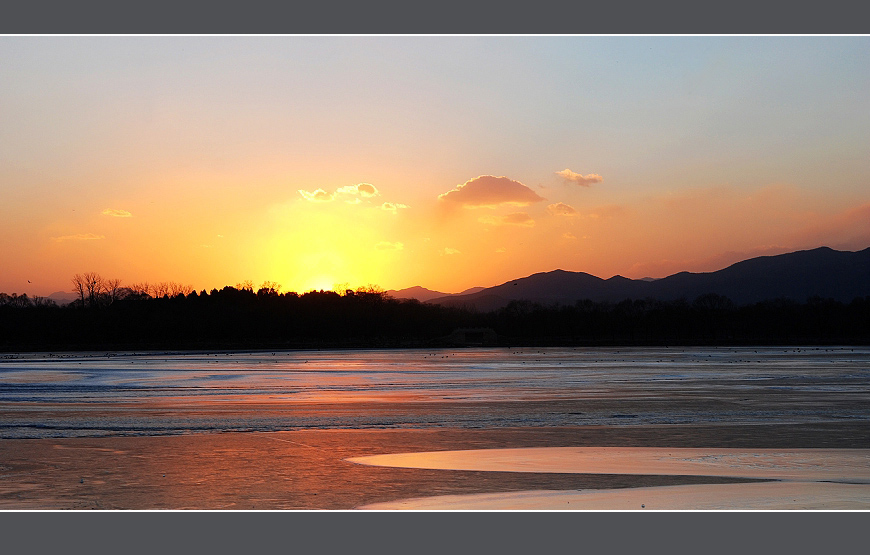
{"x":319,"y":283}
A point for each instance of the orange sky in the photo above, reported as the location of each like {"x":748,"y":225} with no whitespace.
{"x":446,"y":162}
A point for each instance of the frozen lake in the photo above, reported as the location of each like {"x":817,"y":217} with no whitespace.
{"x":99,"y":394}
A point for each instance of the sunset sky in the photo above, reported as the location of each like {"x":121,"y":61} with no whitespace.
{"x":446,"y":162}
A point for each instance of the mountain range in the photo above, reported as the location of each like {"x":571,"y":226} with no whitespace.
{"x":798,"y":276}
{"x":422,"y":294}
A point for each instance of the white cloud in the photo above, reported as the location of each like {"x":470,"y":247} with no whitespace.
{"x":583,"y":180}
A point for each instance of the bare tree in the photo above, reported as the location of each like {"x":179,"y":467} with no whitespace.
{"x":112,"y":289}
{"x":94,"y":290}
{"x":168,"y":289}
{"x":370,"y":288}
{"x":79,"y":287}
{"x":15,"y":300}
{"x":160,"y":290}
{"x":94,"y":285}
{"x":175,"y":289}
{"x":143,"y":289}
{"x":269,"y":288}
{"x":43,"y":302}
{"x":371,"y":293}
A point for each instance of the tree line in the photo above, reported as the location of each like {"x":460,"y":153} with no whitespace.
{"x":168,"y":315}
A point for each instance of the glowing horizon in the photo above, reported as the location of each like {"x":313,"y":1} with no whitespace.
{"x":443,"y":162}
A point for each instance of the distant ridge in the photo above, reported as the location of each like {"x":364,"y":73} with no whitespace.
{"x":798,"y":276}
{"x":422,"y":294}
{"x":63,"y":297}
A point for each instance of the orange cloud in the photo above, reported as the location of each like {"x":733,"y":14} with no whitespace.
{"x":584,"y":180}
{"x":448,"y":250}
{"x":490,"y":191}
{"x":318,"y":195}
{"x":561,"y":209}
{"x":116,"y":213}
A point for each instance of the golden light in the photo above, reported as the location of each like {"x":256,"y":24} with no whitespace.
{"x":316,"y":246}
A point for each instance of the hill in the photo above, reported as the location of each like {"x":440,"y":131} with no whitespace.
{"x":798,"y":276}
{"x":422,"y":294}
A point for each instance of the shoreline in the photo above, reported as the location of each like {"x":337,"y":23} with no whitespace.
{"x":306,"y":470}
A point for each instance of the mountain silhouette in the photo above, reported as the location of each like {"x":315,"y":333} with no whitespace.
{"x":422,"y":294}
{"x":797,"y":276}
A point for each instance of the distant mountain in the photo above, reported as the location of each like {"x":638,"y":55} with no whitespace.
{"x":63,"y":297}
{"x":823,"y":272}
{"x":422,"y":294}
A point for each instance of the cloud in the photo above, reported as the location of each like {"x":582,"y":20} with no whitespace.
{"x":501,"y":249}
{"x":388,"y":246}
{"x":116,"y":213}
{"x":517,"y":218}
{"x":393,"y":206}
{"x":448,"y":250}
{"x":318,"y":195}
{"x":365,"y":190}
{"x":561,"y":209}
{"x":79,"y":237}
{"x":584,"y":180}
{"x":569,"y":235}
{"x":487,"y":190}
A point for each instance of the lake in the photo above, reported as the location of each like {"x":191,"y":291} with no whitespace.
{"x":55,"y":395}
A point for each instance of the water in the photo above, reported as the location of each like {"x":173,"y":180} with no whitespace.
{"x":99,"y":394}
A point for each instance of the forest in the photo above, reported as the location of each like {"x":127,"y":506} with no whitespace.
{"x":106,"y":316}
